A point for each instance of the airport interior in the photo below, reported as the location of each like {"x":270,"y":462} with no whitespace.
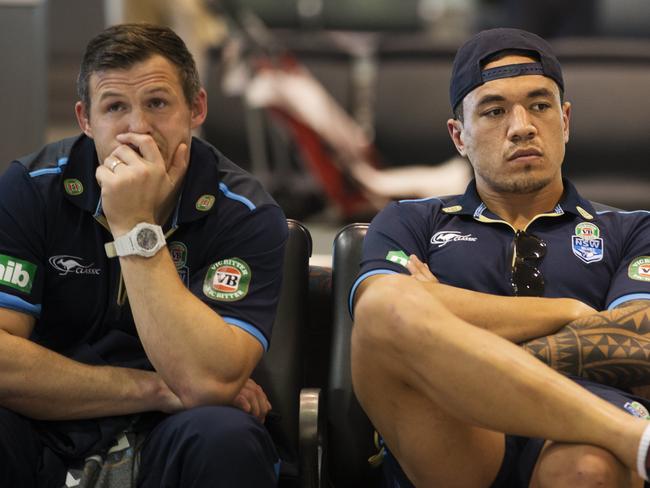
{"x":339,"y":107}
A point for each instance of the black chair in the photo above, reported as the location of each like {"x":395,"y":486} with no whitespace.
{"x":350,"y":434}
{"x":281,"y":371}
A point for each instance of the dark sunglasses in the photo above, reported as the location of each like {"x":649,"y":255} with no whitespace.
{"x":527,"y":279}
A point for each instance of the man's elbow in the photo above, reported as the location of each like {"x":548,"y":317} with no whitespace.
{"x":208,"y":391}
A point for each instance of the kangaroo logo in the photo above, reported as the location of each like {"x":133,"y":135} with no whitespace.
{"x":65,"y":264}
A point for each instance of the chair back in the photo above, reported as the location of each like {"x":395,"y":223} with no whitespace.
{"x":281,"y":370}
{"x":350,"y":433}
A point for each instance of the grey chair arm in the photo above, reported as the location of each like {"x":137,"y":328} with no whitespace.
{"x":311,"y":439}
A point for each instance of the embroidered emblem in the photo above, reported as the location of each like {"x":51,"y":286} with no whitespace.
{"x":65,"y":265}
{"x":587,"y":243}
{"x":587,"y":230}
{"x":584,"y":213}
{"x":17,"y":273}
{"x":444,"y":237}
{"x":398,"y":257}
{"x":73,"y":187}
{"x":227,"y":280}
{"x":205,"y":203}
{"x":178,"y":251}
{"x":452,"y":209}
{"x":639,"y":269}
{"x":637,"y":409}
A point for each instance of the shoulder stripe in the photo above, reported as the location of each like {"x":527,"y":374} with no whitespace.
{"x":628,"y":298}
{"x":623,"y":211}
{"x":251,"y":329}
{"x":18,"y":304}
{"x":47,"y":171}
{"x":234,"y":196}
{"x":415,"y":200}
{"x":356,"y":284}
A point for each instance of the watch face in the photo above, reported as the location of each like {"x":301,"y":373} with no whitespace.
{"x":147,"y":239}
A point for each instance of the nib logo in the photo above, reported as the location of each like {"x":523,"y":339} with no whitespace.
{"x":16,"y":273}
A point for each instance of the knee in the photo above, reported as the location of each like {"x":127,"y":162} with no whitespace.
{"x":588,"y":467}
{"x":226,"y":431}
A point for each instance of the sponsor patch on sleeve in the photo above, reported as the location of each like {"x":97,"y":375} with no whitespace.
{"x":398,"y":257}
{"x":639,"y":269}
{"x":17,"y":274}
{"x":638,"y":410}
{"x":227,"y":280}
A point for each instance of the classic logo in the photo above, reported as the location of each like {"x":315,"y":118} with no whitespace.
{"x":398,"y":257}
{"x":65,"y":265}
{"x":227,"y":280}
{"x":444,"y":237}
{"x":205,"y":203}
{"x":73,"y":186}
{"x":17,"y":273}
{"x":639,"y":269}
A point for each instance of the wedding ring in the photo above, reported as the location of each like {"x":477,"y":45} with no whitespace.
{"x":115,"y":163}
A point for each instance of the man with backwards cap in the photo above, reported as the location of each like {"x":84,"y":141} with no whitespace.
{"x":451,"y":288}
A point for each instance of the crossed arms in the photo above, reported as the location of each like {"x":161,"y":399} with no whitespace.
{"x":609,"y":347}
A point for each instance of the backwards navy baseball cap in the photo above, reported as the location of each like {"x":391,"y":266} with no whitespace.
{"x":468,"y":73}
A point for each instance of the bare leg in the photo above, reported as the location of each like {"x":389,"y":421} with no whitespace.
{"x":405,"y":339}
{"x":574,"y":465}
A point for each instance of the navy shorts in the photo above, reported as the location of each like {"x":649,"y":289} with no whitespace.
{"x":521,"y":453}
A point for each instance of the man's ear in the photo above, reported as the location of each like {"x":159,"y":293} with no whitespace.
{"x":83,"y":119}
{"x":455,"y":128}
{"x":566,"y":120}
{"x":199,"y":108}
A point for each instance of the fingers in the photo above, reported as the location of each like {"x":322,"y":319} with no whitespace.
{"x":253,"y":400}
{"x":143,"y":144}
{"x":178,"y":164}
{"x":419,"y":270}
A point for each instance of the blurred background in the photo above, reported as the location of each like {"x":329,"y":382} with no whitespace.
{"x":340,"y":106}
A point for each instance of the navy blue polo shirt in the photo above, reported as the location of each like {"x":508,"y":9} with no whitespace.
{"x":226,"y":238}
{"x":596,"y":255}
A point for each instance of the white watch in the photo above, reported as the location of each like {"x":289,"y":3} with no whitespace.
{"x":143,"y":240}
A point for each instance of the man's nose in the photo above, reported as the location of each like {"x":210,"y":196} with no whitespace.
{"x":138,"y":122}
{"x":521,"y":124}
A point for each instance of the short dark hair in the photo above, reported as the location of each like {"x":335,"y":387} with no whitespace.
{"x":123,"y":45}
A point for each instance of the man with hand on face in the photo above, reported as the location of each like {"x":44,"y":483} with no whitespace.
{"x":139,"y":276}
{"x":450,"y":288}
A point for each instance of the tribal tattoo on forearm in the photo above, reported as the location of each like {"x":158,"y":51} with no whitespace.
{"x":611,"y":347}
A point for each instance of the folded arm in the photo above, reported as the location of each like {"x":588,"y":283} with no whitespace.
{"x":42,"y":384}
{"x":609,"y":347}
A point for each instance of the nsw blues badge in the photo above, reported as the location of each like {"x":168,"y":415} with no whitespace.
{"x":587,"y":243}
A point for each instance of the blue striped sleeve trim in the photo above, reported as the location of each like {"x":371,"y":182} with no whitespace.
{"x":234,"y":196}
{"x":47,"y":171}
{"x":251,"y":329}
{"x":622,"y":211}
{"x":415,"y":200}
{"x":368,"y":274}
{"x":628,"y":298}
{"x":18,"y":304}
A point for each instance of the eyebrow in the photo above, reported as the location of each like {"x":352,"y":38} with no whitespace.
{"x":152,"y":91}
{"x":540,"y":92}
